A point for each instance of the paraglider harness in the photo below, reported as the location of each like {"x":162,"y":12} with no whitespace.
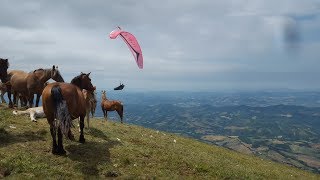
{"x":119,"y":87}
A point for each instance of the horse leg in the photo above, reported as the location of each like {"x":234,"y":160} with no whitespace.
{"x":92,"y":111}
{"x":15,"y":99}
{"x":53,"y":131}
{"x":18,"y":97}
{"x":61,"y":151}
{"x":9,"y":96}
{"x":25,"y":100}
{"x":2,"y":98}
{"x":88,"y":116}
{"x":104,"y":113}
{"x":81,"y":139}
{"x":54,"y":141}
{"x":120,"y":113}
{"x":31,"y":97}
{"x":37,"y":100}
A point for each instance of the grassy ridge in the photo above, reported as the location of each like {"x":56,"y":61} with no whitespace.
{"x":125,"y":151}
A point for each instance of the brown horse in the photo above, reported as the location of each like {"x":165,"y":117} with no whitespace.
{"x":4,"y":65}
{"x":65,"y":102}
{"x":107,"y":105}
{"x":3,"y":90}
{"x":32,"y":83}
{"x":23,"y":99}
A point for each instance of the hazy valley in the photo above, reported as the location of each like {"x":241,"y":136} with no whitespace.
{"x":280,"y":126}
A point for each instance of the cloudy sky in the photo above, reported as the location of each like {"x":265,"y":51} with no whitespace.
{"x":187,"y":45}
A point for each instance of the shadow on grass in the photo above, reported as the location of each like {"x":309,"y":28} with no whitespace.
{"x":91,"y":154}
{"x":98,"y":134}
{"x":7,"y":138}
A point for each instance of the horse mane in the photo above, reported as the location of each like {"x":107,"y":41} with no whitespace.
{"x":77,"y":80}
{"x":40,"y":69}
{"x":4,"y":64}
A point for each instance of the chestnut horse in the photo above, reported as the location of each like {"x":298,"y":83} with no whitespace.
{"x":107,"y":105}
{"x":28,"y":84}
{"x":4,"y":65}
{"x":65,"y":102}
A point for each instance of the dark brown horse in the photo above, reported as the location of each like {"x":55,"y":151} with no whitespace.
{"x":107,"y":105}
{"x":28,"y":84}
{"x":4,"y":65}
{"x":65,"y":102}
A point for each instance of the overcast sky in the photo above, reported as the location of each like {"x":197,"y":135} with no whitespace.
{"x":187,"y":45}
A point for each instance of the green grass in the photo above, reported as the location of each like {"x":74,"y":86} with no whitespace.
{"x":125,"y":151}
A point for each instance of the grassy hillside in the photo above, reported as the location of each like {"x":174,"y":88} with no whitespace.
{"x":125,"y":151}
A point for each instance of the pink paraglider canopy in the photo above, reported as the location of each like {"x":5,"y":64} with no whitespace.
{"x":131,"y":42}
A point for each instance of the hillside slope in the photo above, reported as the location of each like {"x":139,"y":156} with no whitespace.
{"x":120,"y":150}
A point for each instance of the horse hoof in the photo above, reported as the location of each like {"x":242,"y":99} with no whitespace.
{"x":10,"y":105}
{"x":61,"y":152}
{"x":82,"y":140}
{"x":54,"y":151}
{"x":71,"y":137}
{"x":58,"y":151}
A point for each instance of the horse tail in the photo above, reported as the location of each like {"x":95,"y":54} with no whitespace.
{"x":61,"y":111}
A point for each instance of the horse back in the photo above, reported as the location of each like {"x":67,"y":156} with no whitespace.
{"x":111,"y":105}
{"x":71,"y":94}
{"x":18,"y":80}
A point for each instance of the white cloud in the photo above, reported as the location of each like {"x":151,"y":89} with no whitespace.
{"x":186,"y":44}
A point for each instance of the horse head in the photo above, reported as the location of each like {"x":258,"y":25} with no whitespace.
{"x":83,"y":81}
{"x":4,"y":65}
{"x":104,"y":94}
{"x":55,"y":74}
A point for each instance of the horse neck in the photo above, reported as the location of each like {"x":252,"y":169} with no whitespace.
{"x":78,"y":84}
{"x":104,"y":98}
{"x":45,"y":75}
{"x":4,"y":78}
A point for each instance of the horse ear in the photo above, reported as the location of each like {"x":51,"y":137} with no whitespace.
{"x":53,"y":67}
{"x":6,"y":60}
{"x":88,"y":74}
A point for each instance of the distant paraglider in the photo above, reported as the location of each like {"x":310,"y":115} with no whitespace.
{"x":131,"y":42}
